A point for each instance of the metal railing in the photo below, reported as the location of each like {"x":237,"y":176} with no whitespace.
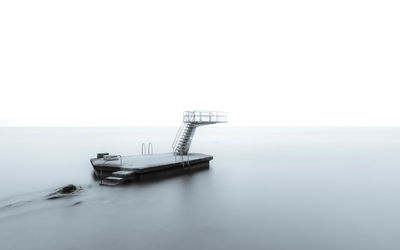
{"x":144,"y":148}
{"x":199,"y":116}
{"x":150,"y":148}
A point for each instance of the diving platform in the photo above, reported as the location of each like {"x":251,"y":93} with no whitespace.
{"x":135,"y":167}
{"x":116,"y":169}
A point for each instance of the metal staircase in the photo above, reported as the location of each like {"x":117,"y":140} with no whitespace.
{"x":192,"y":120}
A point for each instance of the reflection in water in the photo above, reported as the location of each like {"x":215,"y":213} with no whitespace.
{"x":267,"y":188}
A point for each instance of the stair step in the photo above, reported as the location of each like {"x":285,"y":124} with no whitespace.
{"x":114,"y":179}
{"x":122,"y":173}
{"x":111,"y":181}
{"x":108,"y":183}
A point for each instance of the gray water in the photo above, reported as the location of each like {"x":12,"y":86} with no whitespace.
{"x":267,"y":188}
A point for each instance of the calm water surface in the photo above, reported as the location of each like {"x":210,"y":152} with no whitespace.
{"x":267,"y":188}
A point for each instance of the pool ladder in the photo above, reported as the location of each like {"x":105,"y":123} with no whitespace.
{"x":149,"y":150}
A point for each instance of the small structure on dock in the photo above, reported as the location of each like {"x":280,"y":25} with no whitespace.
{"x":115,"y":169}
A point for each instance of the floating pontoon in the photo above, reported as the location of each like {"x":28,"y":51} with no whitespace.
{"x":115,"y":169}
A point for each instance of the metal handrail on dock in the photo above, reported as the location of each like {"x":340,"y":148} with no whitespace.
{"x":148,"y":150}
{"x":144,"y":148}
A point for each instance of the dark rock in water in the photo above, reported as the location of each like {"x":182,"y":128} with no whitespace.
{"x":63,"y":192}
{"x":68,"y":189}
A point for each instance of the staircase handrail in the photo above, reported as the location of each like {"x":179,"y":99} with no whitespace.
{"x":177,"y":136}
{"x":199,"y":117}
{"x":179,"y":133}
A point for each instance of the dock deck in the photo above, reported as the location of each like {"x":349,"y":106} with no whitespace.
{"x":134,"y":166}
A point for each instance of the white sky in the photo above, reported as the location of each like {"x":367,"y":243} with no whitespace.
{"x":139,"y":63}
